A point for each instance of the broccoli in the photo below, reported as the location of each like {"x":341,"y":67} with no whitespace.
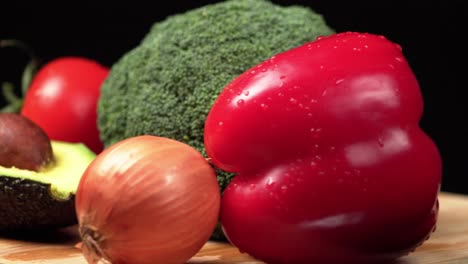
{"x":166,"y":85}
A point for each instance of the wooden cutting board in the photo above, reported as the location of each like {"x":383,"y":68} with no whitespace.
{"x":448,"y":245}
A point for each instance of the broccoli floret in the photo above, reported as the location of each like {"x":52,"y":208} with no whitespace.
{"x":167,"y":84}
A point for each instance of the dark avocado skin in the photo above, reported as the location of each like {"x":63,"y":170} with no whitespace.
{"x":27,"y":206}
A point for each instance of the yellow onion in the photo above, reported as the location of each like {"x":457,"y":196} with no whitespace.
{"x":147,"y":199}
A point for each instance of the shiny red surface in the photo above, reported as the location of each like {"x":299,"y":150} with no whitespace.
{"x":332,"y":164}
{"x":62,"y":100}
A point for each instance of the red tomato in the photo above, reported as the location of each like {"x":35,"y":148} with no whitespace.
{"x":62,"y":100}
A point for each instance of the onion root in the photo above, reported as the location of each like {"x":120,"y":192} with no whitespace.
{"x":91,"y":241}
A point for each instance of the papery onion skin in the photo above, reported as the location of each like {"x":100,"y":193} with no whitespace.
{"x":147,"y":199}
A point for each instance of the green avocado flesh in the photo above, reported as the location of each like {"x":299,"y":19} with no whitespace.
{"x":45,"y":199}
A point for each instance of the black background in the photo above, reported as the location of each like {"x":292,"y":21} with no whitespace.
{"x":430,"y":33}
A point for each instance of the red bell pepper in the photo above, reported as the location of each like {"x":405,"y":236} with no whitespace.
{"x":332,"y":166}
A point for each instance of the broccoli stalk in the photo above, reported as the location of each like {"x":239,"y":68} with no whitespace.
{"x":167,"y":84}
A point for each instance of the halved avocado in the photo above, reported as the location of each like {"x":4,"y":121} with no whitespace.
{"x":36,"y":201}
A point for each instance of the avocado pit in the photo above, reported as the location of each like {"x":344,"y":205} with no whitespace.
{"x":23,"y":144}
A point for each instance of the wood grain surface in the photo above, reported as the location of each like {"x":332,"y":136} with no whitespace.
{"x":448,"y":245}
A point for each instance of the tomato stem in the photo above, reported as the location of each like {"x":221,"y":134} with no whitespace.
{"x":14,"y":102}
